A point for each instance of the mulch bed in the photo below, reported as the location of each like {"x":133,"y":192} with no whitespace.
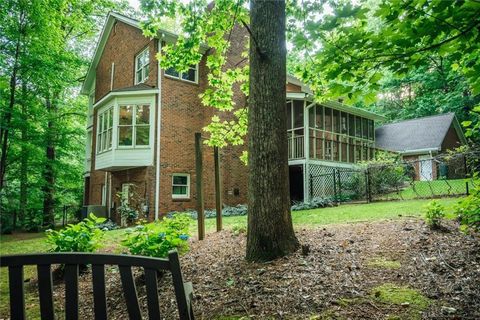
{"x":442,"y":265}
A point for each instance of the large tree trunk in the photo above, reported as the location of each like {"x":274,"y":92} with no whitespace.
{"x":7,"y":117}
{"x":22,"y":213}
{"x":270,"y":229}
{"x":49,"y":170}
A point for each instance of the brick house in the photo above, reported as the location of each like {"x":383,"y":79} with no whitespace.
{"x":142,"y":120}
{"x":419,"y":140}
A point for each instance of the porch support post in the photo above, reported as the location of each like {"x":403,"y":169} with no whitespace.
{"x":306,"y":152}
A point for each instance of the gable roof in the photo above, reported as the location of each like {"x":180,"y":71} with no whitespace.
{"x":421,"y":134}
{"x":107,"y":28}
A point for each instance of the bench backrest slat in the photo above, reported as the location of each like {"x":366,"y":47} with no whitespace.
{"x":99,"y":295}
{"x":178,"y":285}
{"x":130,"y":292}
{"x":17,"y":300}
{"x":71,"y":291}
{"x":152,"y":294}
{"x":45,"y":290}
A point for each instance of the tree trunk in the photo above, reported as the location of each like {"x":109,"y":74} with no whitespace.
{"x":49,"y":173}
{"x":270,"y":229}
{"x":7,"y":117}
{"x":23,"y":159}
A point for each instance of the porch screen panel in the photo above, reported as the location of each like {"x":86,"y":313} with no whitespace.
{"x":298,"y":114}
{"x":328,"y":119}
{"x":351,"y":125}
{"x":319,"y":117}
{"x":336,"y":121}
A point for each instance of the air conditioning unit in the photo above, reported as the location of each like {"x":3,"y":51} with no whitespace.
{"x":98,"y":211}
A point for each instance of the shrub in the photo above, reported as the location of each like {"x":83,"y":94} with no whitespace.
{"x":434,"y":213}
{"x":107,"y":225}
{"x":313,"y":204}
{"x":157,"y":239}
{"x":238,"y":210}
{"x":468,"y":209}
{"x":239,"y":229}
{"x":84,"y":236}
{"x":127,"y":213}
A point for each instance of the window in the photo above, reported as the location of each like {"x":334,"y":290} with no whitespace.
{"x":190,"y":75}
{"x":104,"y":130}
{"x":180,"y":186}
{"x":134,"y":125}
{"x":142,"y":64}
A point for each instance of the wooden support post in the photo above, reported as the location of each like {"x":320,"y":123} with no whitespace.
{"x":199,"y":184}
{"x":218,"y":195}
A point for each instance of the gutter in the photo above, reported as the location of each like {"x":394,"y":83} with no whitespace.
{"x":159,"y":125}
{"x":419,"y":151}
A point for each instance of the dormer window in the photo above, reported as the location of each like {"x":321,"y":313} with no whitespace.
{"x":191,"y":75}
{"x":142,"y":63}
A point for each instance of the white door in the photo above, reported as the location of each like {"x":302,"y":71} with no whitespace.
{"x":426,"y":168}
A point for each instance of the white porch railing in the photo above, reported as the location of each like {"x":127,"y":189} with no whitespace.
{"x":296,"y":148}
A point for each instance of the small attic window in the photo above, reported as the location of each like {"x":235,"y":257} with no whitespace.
{"x":142,"y":64}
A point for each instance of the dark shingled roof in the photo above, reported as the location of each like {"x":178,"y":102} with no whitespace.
{"x":140,"y":86}
{"x":415,"y":134}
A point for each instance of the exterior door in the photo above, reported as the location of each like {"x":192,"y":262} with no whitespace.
{"x":426,"y":168}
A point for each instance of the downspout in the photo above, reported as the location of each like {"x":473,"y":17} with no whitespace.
{"x":159,"y":122}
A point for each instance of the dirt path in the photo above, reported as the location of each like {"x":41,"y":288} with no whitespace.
{"x":382,"y":270}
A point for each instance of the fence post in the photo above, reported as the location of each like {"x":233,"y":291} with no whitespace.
{"x":199,"y":184}
{"x":64,"y":215}
{"x":339,"y":186}
{"x":218,"y":196}
{"x":368,"y":191}
{"x":311,"y":187}
{"x":467,"y":191}
{"x":335,"y":185}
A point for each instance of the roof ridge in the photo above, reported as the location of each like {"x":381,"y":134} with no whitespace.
{"x":421,"y":118}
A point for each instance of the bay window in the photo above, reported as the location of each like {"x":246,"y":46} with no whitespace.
{"x":134,"y":125}
{"x":104,"y":130}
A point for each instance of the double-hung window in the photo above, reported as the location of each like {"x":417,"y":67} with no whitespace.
{"x":180,"y":186}
{"x":134,"y":125}
{"x":142,"y":64}
{"x":104,"y":130}
{"x":190,"y":75}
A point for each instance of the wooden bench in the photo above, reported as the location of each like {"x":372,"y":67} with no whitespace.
{"x":71,"y":261}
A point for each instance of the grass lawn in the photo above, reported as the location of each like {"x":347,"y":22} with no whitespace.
{"x":348,"y":213}
{"x":425,"y":189}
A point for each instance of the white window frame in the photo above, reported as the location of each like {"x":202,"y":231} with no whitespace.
{"x":144,"y":68}
{"x":105,"y":132}
{"x":134,"y":125}
{"x":181,"y":196}
{"x":179,"y":77}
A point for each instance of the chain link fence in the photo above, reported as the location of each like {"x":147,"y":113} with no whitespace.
{"x":422,"y":178}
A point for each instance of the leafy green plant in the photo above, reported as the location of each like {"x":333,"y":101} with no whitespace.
{"x":468,"y":209}
{"x":84,"y":236}
{"x":239,"y":229}
{"x":128,"y":213}
{"x":157,"y":239}
{"x":434,"y":213}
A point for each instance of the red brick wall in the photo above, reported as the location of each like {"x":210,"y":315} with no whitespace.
{"x":123,"y":44}
{"x":182,"y":115}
